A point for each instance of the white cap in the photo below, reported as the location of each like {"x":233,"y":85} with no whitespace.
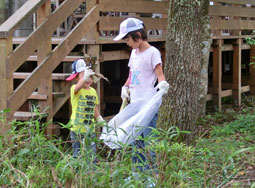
{"x":128,"y":25}
{"x":78,"y":65}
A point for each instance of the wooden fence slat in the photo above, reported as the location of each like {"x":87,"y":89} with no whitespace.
{"x":240,"y":2}
{"x":113,"y":23}
{"x":237,"y":72}
{"x":19,"y":16}
{"x":114,"y":55}
{"x":140,"y":6}
{"x":22,"y":52}
{"x":231,"y":11}
{"x":50,"y":63}
{"x":233,"y":24}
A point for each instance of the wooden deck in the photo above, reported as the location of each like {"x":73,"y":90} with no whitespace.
{"x":35,"y":67}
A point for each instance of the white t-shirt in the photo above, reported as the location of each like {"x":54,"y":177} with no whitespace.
{"x":142,"y":75}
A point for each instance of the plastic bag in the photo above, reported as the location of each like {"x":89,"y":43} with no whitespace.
{"x":127,"y":125}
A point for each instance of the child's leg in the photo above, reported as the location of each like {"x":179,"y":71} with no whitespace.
{"x":138,"y":156}
{"x":151,"y":155}
{"x":147,"y":160}
{"x":90,"y":148}
{"x":75,"y":144}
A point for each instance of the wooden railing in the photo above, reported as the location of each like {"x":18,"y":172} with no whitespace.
{"x":232,"y":18}
{"x":39,"y":40}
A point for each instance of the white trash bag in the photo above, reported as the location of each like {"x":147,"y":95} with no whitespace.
{"x":127,"y":125}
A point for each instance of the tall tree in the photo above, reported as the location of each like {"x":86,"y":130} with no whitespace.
{"x":187,"y":55}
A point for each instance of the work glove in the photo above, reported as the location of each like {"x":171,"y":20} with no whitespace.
{"x":124,"y":92}
{"x":100,"y":120}
{"x":88,"y":73}
{"x":163,"y":85}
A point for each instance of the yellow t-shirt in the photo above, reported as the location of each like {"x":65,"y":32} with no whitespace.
{"x":83,"y":109}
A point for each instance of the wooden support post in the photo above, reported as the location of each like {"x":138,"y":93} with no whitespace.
{"x":217,"y":73}
{"x":252,"y":70}
{"x":93,"y":34}
{"x":94,"y":51}
{"x":44,"y":49}
{"x":6,"y":84}
{"x":237,"y":71}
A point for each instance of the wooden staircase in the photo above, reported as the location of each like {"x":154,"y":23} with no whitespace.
{"x":42,"y":84}
{"x":94,"y":31}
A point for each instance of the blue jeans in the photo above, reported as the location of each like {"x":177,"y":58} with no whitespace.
{"x":87,"y":143}
{"x":145,"y":160}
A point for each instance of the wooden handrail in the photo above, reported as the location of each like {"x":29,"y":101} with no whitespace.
{"x":19,"y":16}
{"x":20,"y":95}
{"x":45,"y":30}
{"x":239,"y":2}
{"x":140,"y":6}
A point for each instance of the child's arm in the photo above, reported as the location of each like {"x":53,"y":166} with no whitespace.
{"x":125,"y":89}
{"x":159,"y":73}
{"x":84,"y":77}
{"x":162,"y":83}
{"x":98,"y":117}
{"x":79,"y":85}
{"x":96,"y":112}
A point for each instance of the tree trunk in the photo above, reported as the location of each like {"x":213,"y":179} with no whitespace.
{"x":187,"y":56}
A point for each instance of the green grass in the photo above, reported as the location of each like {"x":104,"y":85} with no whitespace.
{"x":223,"y":156}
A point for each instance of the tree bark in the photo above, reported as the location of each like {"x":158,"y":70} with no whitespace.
{"x":187,"y":56}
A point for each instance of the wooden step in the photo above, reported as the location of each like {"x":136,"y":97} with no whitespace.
{"x":58,"y":94}
{"x":55,"y":76}
{"x":66,"y":59}
{"x":25,"y":116}
{"x":54,"y":40}
{"x":36,"y":96}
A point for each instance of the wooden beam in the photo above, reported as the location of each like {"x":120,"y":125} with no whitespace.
{"x":44,"y":49}
{"x":108,"y":23}
{"x":209,"y":97}
{"x":18,"y":17}
{"x":237,"y":72}
{"x":66,"y":59}
{"x":114,"y":55}
{"x":231,"y":11}
{"x":93,"y":34}
{"x":245,"y":89}
{"x":227,"y":93}
{"x":6,"y":84}
{"x":94,"y":51}
{"x":232,"y":24}
{"x":133,"y":6}
{"x":52,"y":61}
{"x":54,"y":40}
{"x":217,"y":73}
{"x":55,"y":76}
{"x":45,"y":30}
{"x":240,"y":2}
{"x":252,"y":70}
